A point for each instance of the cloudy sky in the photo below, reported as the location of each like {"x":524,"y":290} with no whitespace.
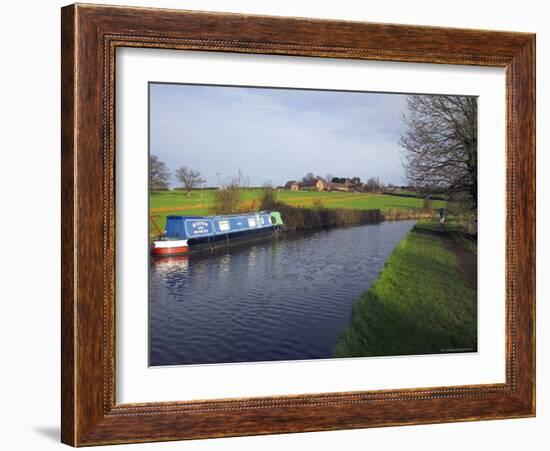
{"x":276,"y":135}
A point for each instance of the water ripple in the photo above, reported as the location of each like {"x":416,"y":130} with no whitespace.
{"x":284,"y":299}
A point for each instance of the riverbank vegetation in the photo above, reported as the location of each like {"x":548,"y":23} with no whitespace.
{"x":202,"y":202}
{"x":301,"y":218}
{"x":423,"y":302}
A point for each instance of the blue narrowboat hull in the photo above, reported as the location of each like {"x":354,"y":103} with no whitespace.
{"x":234,"y":237}
{"x":208,"y":231}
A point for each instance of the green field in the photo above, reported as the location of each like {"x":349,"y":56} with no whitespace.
{"x":421,"y":303}
{"x":164,"y":203}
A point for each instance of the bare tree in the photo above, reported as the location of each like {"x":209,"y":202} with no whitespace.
{"x":309,"y":179}
{"x":440,"y":144}
{"x":189,"y":178}
{"x":372,"y":185}
{"x":241,"y":180}
{"x":159,"y":175}
{"x":227,"y":199}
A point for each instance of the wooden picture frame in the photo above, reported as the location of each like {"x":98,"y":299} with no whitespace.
{"x":90,"y":36}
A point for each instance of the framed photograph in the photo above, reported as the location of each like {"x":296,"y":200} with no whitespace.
{"x":279,"y":225}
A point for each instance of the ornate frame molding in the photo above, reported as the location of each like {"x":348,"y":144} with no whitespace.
{"x":90,"y":36}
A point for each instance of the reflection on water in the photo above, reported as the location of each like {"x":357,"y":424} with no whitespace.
{"x":285,"y":298}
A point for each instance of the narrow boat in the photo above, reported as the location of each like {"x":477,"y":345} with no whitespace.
{"x":186,"y":233}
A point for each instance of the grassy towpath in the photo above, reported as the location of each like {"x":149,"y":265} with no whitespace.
{"x":423,"y":302}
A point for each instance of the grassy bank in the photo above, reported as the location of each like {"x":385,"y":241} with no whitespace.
{"x":420,"y":304}
{"x":200,"y":202}
{"x":397,"y":214}
{"x":301,"y":218}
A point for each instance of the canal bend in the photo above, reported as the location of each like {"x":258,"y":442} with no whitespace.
{"x":285,"y":298}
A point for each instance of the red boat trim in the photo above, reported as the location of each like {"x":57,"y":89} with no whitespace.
{"x":170,"y":250}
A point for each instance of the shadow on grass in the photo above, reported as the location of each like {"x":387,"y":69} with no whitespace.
{"x":420,"y":304}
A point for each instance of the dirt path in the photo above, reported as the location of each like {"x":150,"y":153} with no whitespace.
{"x":466,"y":260}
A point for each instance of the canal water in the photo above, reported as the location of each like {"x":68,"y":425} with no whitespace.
{"x":285,"y":298}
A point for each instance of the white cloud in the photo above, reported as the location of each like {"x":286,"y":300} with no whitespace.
{"x":275,"y":134}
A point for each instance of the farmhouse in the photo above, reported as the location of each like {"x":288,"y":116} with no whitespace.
{"x":323,"y":185}
{"x":292,"y":185}
{"x":339,"y":184}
